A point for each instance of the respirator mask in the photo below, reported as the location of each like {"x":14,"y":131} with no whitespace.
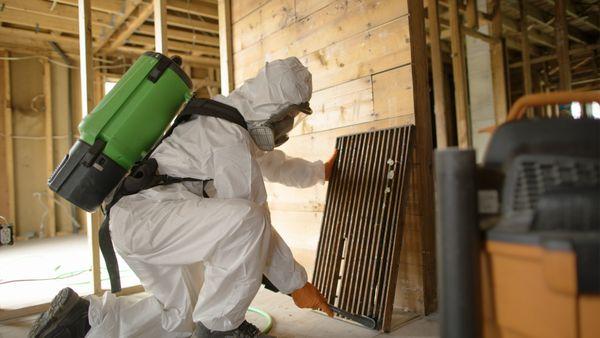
{"x":273,"y":132}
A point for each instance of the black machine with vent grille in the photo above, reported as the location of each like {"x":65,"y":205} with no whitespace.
{"x":549,"y":175}
{"x":521,"y":231}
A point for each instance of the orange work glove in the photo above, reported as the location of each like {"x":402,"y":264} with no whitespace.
{"x":308,"y":297}
{"x":329,"y":165}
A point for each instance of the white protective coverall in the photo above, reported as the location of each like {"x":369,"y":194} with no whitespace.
{"x":202,"y":259}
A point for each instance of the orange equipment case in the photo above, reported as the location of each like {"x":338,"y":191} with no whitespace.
{"x":519,"y":236}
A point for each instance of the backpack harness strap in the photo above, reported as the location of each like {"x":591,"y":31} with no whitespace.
{"x":144,"y":175}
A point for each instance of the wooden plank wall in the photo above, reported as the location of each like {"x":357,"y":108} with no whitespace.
{"x":359,"y":53}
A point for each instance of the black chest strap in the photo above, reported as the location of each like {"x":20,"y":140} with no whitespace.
{"x":144,"y":175}
{"x":212,"y":108}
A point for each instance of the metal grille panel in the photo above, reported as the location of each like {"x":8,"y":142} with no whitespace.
{"x":361,"y":234}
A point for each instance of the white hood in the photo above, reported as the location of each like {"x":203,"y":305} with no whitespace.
{"x":279,"y":84}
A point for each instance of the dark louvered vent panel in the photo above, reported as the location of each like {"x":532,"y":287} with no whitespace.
{"x":361,"y":234}
{"x":537,"y":175}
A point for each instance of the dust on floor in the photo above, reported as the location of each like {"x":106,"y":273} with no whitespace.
{"x":289,"y":321}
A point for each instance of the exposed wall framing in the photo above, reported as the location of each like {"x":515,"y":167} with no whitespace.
{"x":535,"y":45}
{"x":120,"y":32}
{"x":8,"y":143}
{"x":49,"y":131}
{"x":461,"y":89}
{"x":43,"y":36}
{"x":226,"y":47}
{"x":120,"y":29}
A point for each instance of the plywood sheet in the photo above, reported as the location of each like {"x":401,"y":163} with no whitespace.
{"x":393,"y":92}
{"x":335,"y":22}
{"x":340,"y":106}
{"x":372,"y":51}
{"x":272,"y":17}
{"x":307,"y":7}
{"x":241,"y":8}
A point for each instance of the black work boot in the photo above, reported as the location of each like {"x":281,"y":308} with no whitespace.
{"x":246,"y":330}
{"x":67,"y":317}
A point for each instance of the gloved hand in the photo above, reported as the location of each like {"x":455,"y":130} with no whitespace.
{"x":308,"y":297}
{"x":329,"y":165}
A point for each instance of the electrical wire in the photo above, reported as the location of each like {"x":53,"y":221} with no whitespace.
{"x":61,"y":204}
{"x":65,"y":275}
{"x":43,"y":217}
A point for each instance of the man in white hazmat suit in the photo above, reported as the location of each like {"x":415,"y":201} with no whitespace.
{"x":202,"y":259}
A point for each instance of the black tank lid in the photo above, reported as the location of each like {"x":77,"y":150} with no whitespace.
{"x":174,"y":63}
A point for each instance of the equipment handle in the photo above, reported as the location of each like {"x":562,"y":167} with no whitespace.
{"x":541,"y":99}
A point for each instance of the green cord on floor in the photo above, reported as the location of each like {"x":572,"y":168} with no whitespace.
{"x":266,"y":316}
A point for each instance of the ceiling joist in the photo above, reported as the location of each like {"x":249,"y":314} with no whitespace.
{"x":118,"y":26}
{"x":133,"y":22}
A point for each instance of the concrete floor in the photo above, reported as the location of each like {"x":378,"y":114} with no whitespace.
{"x":289,"y":321}
{"x":33,"y":271}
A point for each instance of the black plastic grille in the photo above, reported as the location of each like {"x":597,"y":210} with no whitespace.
{"x":359,"y":246}
{"x":537,"y":175}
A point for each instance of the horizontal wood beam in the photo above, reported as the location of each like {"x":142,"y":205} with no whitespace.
{"x":570,"y":11}
{"x":542,"y":18}
{"x":107,"y":6}
{"x":69,"y":43}
{"x":39,"y":21}
{"x":192,"y":59}
{"x":535,"y":36}
{"x":180,"y":35}
{"x":199,"y":83}
{"x":509,"y":25}
{"x":130,"y":7}
{"x":468,"y":31}
{"x":59,"y":11}
{"x":119,"y":8}
{"x":137,"y":18}
{"x":194,"y":8}
{"x":551,"y":57}
{"x":148,"y":42}
{"x":192,"y":24}
{"x":39,"y":46}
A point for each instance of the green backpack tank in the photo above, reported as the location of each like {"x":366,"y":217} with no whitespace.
{"x":121,"y":129}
